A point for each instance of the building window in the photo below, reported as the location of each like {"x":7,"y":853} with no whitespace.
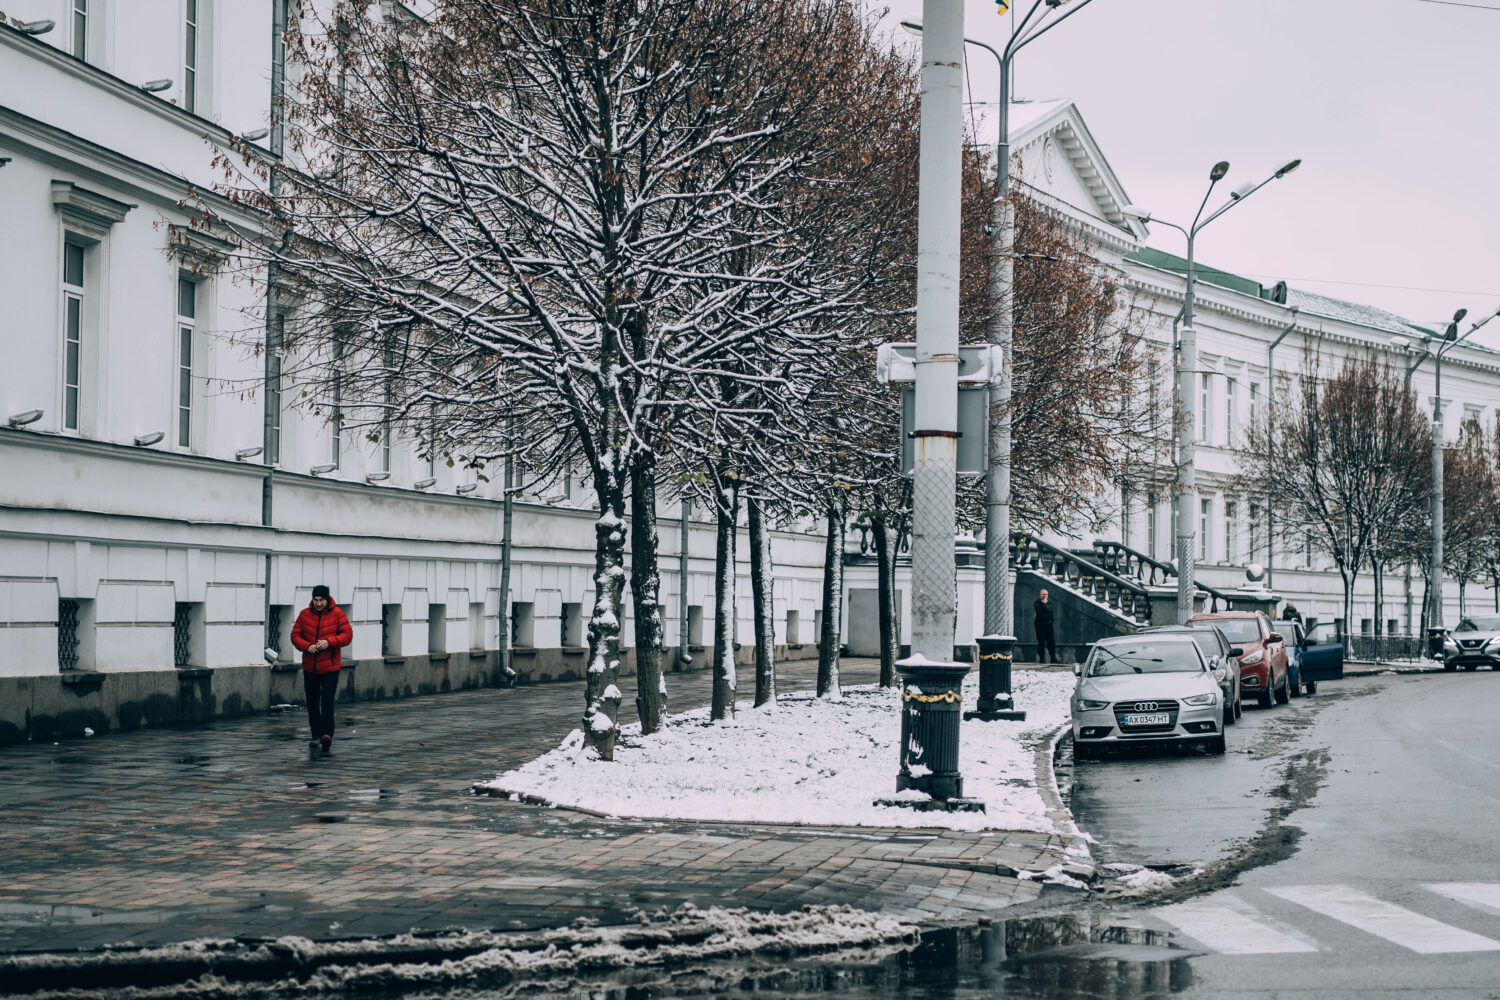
{"x":273,"y":391}
{"x":190,"y":58}
{"x":72,"y":333}
{"x":1254,"y":404}
{"x":336,"y":420}
{"x":1307,"y":547}
{"x":1231,"y":390}
{"x":1205,"y":413}
{"x":1151,"y":513}
{"x":1231,"y":531}
{"x":187,"y":308}
{"x":1255,"y":532}
{"x":1205,"y":513}
{"x":80,"y":28}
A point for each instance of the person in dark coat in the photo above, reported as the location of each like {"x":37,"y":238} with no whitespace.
{"x":1290,"y":613}
{"x":1046,"y":645}
{"x":321,"y":631}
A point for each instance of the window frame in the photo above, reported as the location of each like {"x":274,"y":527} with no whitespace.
{"x":1205,"y":526}
{"x":192,"y":29}
{"x":79,"y":16}
{"x":73,"y":293}
{"x":185,"y":356}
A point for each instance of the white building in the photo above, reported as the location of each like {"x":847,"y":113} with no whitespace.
{"x":160,"y":519}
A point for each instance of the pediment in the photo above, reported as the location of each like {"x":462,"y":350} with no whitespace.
{"x":1060,"y":159}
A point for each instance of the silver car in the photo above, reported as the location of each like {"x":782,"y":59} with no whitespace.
{"x":1473,"y":644}
{"x":1153,"y":687}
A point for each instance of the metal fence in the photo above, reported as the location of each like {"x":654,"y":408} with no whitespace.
{"x":1385,"y":648}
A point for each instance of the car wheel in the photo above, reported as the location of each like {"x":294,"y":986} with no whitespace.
{"x":1228,"y":714}
{"x":1449,"y":666}
{"x":1285,"y":694}
{"x":1215,"y":746}
{"x":1312,"y":687}
{"x":1295,"y":690}
{"x":1265,"y":699}
{"x":1239,"y":708}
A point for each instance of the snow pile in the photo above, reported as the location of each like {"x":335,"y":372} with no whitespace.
{"x":804,"y":761}
{"x":1125,"y":879}
{"x":294,"y":965}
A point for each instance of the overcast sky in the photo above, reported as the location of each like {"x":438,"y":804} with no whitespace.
{"x":1391,"y":104}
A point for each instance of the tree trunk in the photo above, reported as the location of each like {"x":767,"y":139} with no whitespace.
{"x":645,"y":585}
{"x":1463,"y":608}
{"x":885,"y":558}
{"x":1379,"y":571}
{"x":1348,"y":579}
{"x":762,"y":587}
{"x":601,"y":695}
{"x":833,"y":606}
{"x":725,"y":680}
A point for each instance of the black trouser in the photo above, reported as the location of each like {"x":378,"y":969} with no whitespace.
{"x":320,"y":690}
{"x":1046,"y":646}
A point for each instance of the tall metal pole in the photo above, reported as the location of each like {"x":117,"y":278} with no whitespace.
{"x":934,"y":575}
{"x":999,"y":593}
{"x":1271,"y":446}
{"x":1185,"y":418}
{"x":683,"y":656}
{"x":1435,"y":611}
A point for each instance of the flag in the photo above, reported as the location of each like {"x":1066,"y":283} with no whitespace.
{"x":1001,"y":6}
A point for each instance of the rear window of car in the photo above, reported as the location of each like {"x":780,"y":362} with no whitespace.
{"x":1144,"y":657}
{"x":1481,"y":624}
{"x":1239,"y":630}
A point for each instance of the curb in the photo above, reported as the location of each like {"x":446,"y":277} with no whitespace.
{"x":1078,"y":860}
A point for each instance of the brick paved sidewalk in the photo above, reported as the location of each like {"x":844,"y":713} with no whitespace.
{"x":235,"y":830}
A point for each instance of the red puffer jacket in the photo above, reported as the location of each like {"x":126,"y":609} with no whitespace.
{"x":312,"y":626}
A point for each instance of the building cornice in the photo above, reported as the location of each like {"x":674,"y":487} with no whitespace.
{"x":123,"y":90}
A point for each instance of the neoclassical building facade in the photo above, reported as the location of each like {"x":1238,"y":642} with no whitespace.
{"x":163,"y":516}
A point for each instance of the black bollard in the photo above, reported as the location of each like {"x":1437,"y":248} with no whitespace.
{"x":931,"y":706}
{"x":995,"y":701}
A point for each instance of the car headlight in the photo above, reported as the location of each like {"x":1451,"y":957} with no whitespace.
{"x":1250,"y":658}
{"x":1201,"y":699}
{"x":1493,"y":643}
{"x":1091,"y":706}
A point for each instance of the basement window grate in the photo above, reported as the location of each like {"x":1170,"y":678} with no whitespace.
{"x":180,"y":625}
{"x":67,"y":634}
{"x":273,"y":628}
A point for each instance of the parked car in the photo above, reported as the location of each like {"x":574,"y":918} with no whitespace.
{"x":1312,"y":657}
{"x":1263,"y":660}
{"x":1223,"y":660}
{"x":1474,"y":643}
{"x":1146,"y":688}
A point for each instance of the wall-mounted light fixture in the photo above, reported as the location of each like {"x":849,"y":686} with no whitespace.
{"x":467,"y":488}
{"x":156,"y":86}
{"x":147,"y":440}
{"x":377,"y":477}
{"x":37,"y":27}
{"x":27,"y":417}
{"x":245,"y":453}
{"x":422,"y":484}
{"x":318,"y":470}
{"x":255,"y":135}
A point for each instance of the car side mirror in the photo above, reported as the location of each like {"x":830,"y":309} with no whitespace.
{"x":1078,"y":670}
{"x":1236,"y":651}
{"x":1275,"y":637}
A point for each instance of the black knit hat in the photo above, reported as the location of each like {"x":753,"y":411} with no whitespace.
{"x":321,"y":590}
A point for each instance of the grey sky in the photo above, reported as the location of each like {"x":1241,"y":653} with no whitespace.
{"x":1391,"y":104}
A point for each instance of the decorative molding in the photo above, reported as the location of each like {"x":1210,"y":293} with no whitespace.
{"x":196,"y":249}
{"x":86,"y":212}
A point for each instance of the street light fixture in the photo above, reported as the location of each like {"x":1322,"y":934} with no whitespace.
{"x":1184,"y":416}
{"x":24,"y":418}
{"x":999,"y":599}
{"x":147,"y":440}
{"x":1450,"y":340}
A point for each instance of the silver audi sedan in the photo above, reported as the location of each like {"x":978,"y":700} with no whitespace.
{"x":1153,"y":687}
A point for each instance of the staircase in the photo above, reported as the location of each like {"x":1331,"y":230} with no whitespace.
{"x":1110,"y":577}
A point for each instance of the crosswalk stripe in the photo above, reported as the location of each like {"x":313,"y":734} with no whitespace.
{"x":1481,"y":895}
{"x":1228,"y":930}
{"x":1387,"y":920}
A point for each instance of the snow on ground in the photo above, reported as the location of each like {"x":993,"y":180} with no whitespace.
{"x":805,"y":760}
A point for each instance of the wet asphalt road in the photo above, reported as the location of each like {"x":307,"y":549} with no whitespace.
{"x":1346,"y":846}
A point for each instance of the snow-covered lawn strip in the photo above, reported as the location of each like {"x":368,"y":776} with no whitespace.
{"x":806,"y":760}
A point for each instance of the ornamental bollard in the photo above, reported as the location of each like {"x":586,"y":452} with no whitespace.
{"x":931,"y":706}
{"x":995,"y":701}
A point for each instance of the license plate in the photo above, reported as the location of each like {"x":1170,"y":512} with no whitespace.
{"x":1149,"y":719}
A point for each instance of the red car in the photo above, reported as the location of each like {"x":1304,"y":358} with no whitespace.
{"x":1263,"y":665}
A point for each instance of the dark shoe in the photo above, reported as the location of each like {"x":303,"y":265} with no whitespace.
{"x":327,"y":743}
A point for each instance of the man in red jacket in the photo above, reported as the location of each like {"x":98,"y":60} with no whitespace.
{"x":320,"y":632}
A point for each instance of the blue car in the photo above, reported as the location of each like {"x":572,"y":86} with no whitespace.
{"x":1311,"y":658}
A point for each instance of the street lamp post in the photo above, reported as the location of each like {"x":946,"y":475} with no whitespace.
{"x":1451,"y":339}
{"x":999,"y":601}
{"x":1186,"y":362}
{"x":1271,"y":447}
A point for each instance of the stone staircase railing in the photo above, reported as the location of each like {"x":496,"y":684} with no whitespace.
{"x":1126,"y":597}
{"x":1124,"y":561}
